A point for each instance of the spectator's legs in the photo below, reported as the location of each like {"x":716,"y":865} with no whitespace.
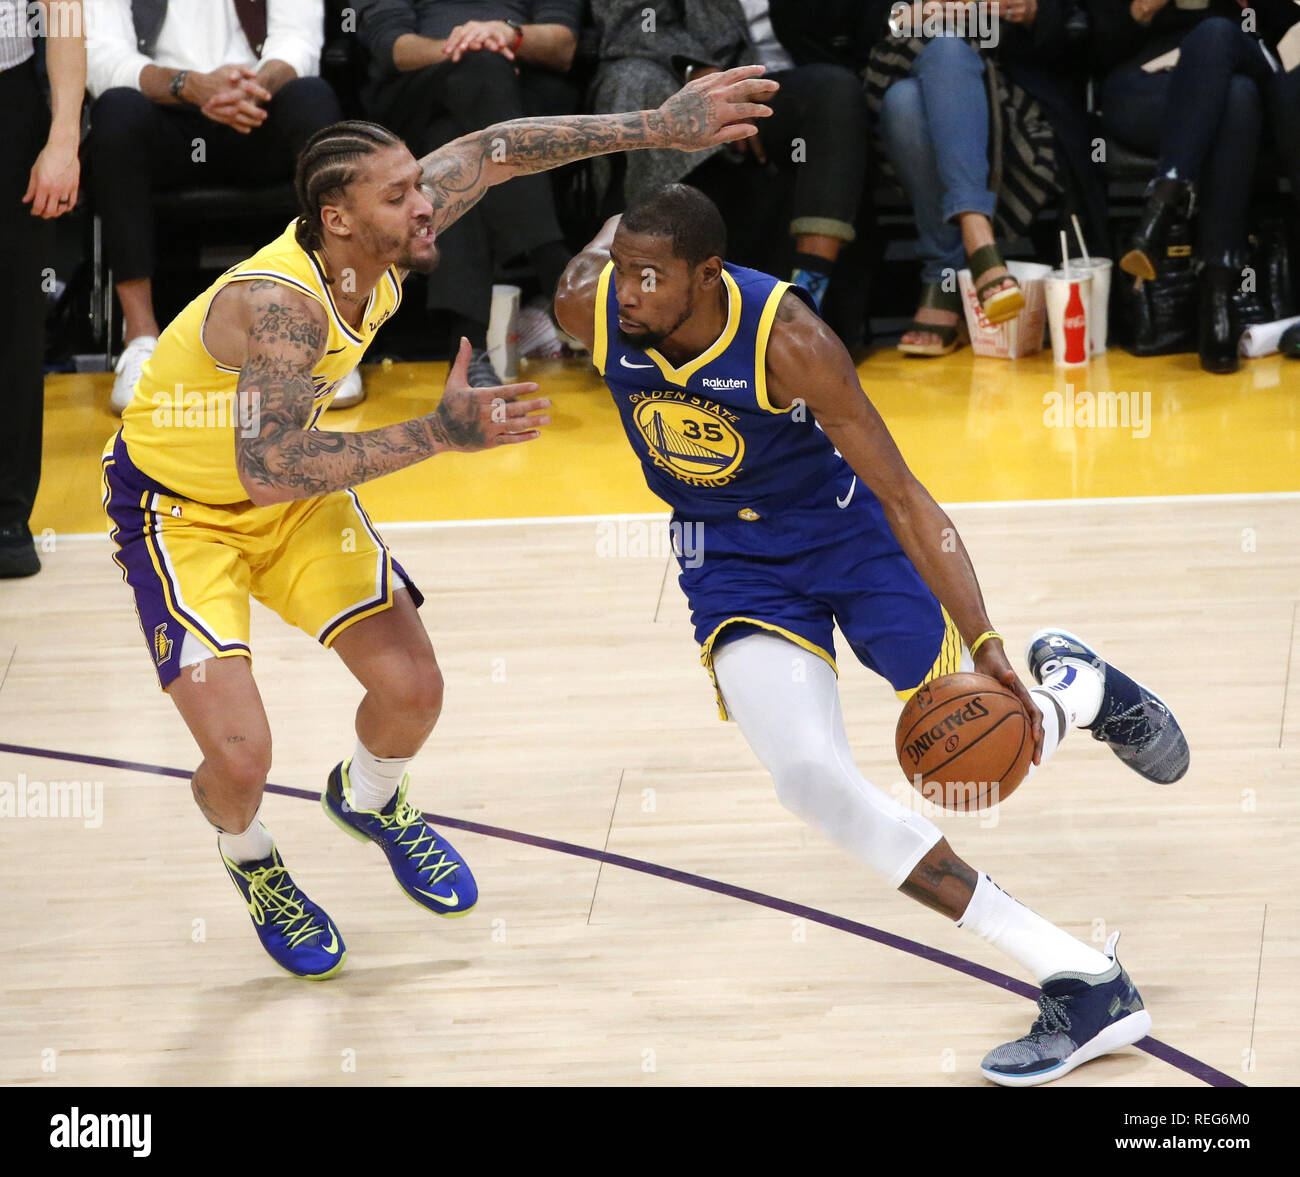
{"x":479,"y":90}
{"x":906,"y":133}
{"x":22,"y":324}
{"x":299,"y":109}
{"x":1209,"y":58}
{"x":1284,"y":112}
{"x":132,"y":143}
{"x":1226,"y":178}
{"x":1203,"y":119}
{"x":1133,"y":108}
{"x":819,"y":126}
{"x":951,"y":75}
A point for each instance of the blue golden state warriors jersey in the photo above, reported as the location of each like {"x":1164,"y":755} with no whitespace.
{"x":711,"y":443}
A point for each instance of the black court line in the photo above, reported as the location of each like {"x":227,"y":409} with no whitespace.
{"x":1152,"y":1046}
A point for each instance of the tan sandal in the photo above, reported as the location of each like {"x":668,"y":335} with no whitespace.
{"x":1005,"y":302}
{"x":950,"y":335}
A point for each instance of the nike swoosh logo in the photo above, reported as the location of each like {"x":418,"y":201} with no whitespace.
{"x":844,"y":502}
{"x":333,"y":946}
{"x":439,"y":899}
{"x":336,"y":350}
{"x":623,"y":360}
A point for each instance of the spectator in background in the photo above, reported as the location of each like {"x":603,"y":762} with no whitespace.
{"x":1188,"y":84}
{"x":237,"y":76}
{"x":444,"y":68}
{"x":817,"y":131}
{"x":39,"y":176}
{"x":981,"y":138}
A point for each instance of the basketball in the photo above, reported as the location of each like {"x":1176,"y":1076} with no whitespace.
{"x":964,"y":741}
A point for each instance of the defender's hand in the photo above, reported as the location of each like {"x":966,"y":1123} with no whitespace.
{"x":469,"y":419}
{"x":992,"y":660}
{"x":717,"y":108}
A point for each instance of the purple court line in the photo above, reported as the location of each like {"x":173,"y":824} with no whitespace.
{"x":1152,"y":1046}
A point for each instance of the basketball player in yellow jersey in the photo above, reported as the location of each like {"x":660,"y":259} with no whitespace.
{"x":220,"y":487}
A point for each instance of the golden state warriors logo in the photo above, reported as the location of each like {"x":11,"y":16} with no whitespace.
{"x":690,"y":437}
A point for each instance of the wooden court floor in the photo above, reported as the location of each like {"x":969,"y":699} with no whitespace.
{"x":650,"y":915}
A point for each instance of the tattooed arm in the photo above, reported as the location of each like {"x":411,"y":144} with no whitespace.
{"x":708,"y":111}
{"x":279,"y":460}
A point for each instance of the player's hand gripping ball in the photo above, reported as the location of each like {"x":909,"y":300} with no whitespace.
{"x":964,"y":741}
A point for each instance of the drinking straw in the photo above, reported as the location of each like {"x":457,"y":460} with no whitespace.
{"x":1078,"y":232}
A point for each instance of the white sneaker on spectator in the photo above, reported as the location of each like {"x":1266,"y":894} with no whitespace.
{"x":538,"y":339}
{"x":129,"y":366}
{"x":351,"y":392}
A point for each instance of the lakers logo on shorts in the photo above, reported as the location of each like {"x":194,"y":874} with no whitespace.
{"x":162,"y":644}
{"x":694,"y":442}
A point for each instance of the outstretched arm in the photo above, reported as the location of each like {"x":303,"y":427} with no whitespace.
{"x":708,"y":111}
{"x":807,"y":362}
{"x":575,"y":297}
{"x":280,"y":460}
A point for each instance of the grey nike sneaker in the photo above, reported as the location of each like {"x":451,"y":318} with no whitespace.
{"x":1080,"y":1018}
{"x":481,"y":372}
{"x":1134,"y":722}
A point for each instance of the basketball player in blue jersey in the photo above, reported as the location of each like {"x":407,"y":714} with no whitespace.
{"x":748,"y":418}
{"x":220,"y":487}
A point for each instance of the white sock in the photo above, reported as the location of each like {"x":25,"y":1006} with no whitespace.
{"x":1052,"y":733}
{"x":254,"y":844}
{"x":1033,"y":943}
{"x":373,"y":779}
{"x":1078,"y":689}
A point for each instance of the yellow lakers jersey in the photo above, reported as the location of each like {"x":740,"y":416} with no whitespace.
{"x":180,"y":427}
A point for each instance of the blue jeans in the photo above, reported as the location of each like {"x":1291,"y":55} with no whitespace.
{"x":935,"y":125}
{"x":1204,"y":118}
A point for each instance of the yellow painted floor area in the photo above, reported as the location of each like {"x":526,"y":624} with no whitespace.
{"x":973,"y":429}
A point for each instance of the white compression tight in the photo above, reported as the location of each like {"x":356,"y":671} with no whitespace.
{"x":787,"y":704}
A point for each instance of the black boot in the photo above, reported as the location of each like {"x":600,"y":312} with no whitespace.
{"x":17,"y":552}
{"x":1219,"y":333}
{"x":1145,"y":248}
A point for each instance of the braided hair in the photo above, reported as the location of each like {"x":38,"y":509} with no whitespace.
{"x":327,"y":164}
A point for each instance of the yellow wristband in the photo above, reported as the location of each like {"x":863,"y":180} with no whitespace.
{"x":984,"y":637}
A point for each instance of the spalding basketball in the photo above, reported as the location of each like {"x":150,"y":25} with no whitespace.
{"x":964,"y":741}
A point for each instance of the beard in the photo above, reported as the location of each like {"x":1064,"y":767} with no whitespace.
{"x":381,"y":245}
{"x":420,"y":265}
{"x":648,"y":339}
{"x":642,"y":342}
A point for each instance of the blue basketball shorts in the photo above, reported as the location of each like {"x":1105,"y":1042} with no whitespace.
{"x":851,"y":573}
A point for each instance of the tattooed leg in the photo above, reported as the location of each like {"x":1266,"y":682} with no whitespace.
{"x":942,"y":881}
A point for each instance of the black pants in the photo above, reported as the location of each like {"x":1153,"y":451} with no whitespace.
{"x":138,"y":146}
{"x":24,"y":239}
{"x":1204,"y":119}
{"x":818,"y":130}
{"x":428,"y":108}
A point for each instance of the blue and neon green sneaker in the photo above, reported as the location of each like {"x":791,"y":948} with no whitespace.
{"x":425,"y":864}
{"x":297,"y":934}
